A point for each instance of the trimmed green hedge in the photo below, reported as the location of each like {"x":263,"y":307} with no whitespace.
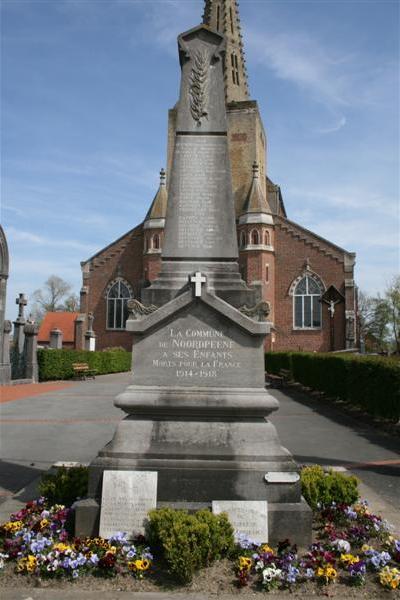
{"x":372,"y":383}
{"x":57,"y":364}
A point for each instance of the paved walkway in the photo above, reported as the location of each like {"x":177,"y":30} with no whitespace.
{"x":75,"y":420}
{"x":9,"y":393}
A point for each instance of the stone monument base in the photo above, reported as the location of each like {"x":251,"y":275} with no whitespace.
{"x":286,"y":520}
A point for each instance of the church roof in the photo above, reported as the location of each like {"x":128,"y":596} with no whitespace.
{"x":65,"y":321}
{"x":275,"y":199}
{"x":158,"y":208}
{"x":256,"y":201}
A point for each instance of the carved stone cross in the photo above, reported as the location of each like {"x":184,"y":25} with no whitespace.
{"x":22,"y":301}
{"x":198,"y":279}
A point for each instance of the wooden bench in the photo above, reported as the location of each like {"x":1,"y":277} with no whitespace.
{"x":278,"y":380}
{"x":82,"y":371}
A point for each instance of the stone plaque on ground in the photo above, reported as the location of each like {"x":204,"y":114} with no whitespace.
{"x":248,"y":517}
{"x":127,"y":497}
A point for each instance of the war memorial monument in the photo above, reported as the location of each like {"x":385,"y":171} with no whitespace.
{"x":196,"y":432}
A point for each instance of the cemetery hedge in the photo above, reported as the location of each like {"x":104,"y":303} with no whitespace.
{"x":57,"y":364}
{"x":369,"y":382}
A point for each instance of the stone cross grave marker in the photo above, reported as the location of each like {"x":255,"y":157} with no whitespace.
{"x":22,"y":301}
{"x":126,"y":499}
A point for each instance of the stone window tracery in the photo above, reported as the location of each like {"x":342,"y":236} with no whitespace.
{"x":266,"y":238}
{"x":307,"y":311}
{"x":118,"y":293}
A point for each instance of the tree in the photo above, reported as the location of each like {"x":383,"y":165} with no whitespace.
{"x":71,"y":304}
{"x":52,"y":298}
{"x":392,"y":299}
{"x":373,"y":319}
{"x":379,"y":318}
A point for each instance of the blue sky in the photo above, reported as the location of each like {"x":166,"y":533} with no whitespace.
{"x":86,"y":87}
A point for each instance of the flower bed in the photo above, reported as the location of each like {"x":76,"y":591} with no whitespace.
{"x":352,"y":547}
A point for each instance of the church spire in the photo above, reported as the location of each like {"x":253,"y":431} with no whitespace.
{"x":223,"y":16}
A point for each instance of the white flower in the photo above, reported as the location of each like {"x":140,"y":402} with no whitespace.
{"x":342,"y":545}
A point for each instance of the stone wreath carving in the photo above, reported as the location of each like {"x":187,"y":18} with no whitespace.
{"x":260,"y":310}
{"x":198,"y":88}
{"x":137,"y":310}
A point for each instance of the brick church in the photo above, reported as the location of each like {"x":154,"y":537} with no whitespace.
{"x":307,"y":280}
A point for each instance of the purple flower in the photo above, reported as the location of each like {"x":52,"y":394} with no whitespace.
{"x":94,"y":559}
{"x":292,"y":574}
{"x":350,"y":513}
{"x":119,"y":537}
{"x":75,"y":574}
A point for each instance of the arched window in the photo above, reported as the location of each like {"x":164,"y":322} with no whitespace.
{"x":254,"y":238}
{"x":307,"y":305}
{"x":242,"y":239}
{"x":117,"y":304}
{"x":218,"y":17}
{"x":267,"y":273}
{"x":156,"y":241}
{"x":266,"y":238}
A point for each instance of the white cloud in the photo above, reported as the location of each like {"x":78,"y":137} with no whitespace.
{"x":16,"y":236}
{"x":345,"y":198}
{"x":332,"y":129}
{"x":169,"y":18}
{"x":299,"y":58}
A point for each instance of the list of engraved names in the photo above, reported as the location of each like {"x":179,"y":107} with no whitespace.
{"x":202,"y":160}
{"x":196,"y":353}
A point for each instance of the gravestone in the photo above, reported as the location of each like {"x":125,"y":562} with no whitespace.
{"x":246,"y":517}
{"x":126,"y":499}
{"x":56,"y":339}
{"x":197,"y":406}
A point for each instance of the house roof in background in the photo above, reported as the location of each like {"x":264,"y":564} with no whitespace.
{"x":58,"y":320}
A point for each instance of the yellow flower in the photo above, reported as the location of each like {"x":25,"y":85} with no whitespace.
{"x":12,"y":526}
{"x":266,"y":548}
{"x":244,"y":563}
{"x":365,"y":548}
{"x":113,"y":549}
{"x":349,"y":559}
{"x":27,"y":564}
{"x":61,"y":547}
{"x":329,"y":574}
{"x":44,"y":523}
{"x":390,"y":578}
{"x":139,"y":565}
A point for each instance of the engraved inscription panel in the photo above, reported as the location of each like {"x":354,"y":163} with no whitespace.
{"x":198,"y":213}
{"x":198,"y":349}
{"x":246,"y":516}
{"x":127,"y":496}
{"x":196,"y":354}
{"x":200,"y":217}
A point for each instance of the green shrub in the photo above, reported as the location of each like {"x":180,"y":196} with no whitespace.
{"x":64,"y":486}
{"x":189,"y":541}
{"x":57,"y":364}
{"x":372,"y":383}
{"x":323,"y":488}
